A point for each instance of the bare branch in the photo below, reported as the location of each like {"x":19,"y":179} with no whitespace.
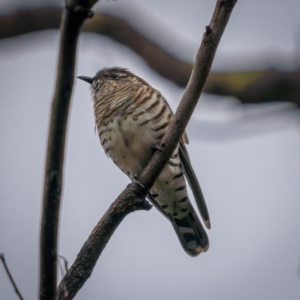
{"x":159,"y":60}
{"x":256,"y":86}
{"x":204,"y":59}
{"x":10,"y":276}
{"x":75,"y":12}
{"x":29,"y":20}
{"x":60,"y":257}
{"x":247,"y":86}
{"x":61,"y":268}
{"x":130,"y":198}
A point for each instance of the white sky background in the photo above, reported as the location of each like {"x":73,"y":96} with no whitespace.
{"x":246,"y":159}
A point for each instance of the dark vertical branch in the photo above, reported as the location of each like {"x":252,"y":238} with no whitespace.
{"x":130,"y":199}
{"x":74,"y":14}
{"x":10,"y":276}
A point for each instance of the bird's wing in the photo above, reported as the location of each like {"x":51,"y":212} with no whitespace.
{"x":194,"y":184}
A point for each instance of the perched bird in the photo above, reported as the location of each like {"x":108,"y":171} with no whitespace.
{"x":131,"y":118}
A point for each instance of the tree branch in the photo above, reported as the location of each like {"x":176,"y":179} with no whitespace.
{"x":22,"y":22}
{"x":75,"y":12}
{"x":131,"y":196}
{"x":256,"y":86}
{"x":247,"y":86}
{"x":10,"y":276}
{"x":130,"y":200}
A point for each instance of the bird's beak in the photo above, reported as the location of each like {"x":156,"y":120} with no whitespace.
{"x":86,"y":79}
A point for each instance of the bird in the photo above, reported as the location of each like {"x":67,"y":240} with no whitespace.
{"x":131,"y":118}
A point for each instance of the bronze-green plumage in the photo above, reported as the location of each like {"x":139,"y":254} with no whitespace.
{"x":131,"y":118}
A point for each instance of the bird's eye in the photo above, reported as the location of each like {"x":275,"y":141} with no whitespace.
{"x":113,"y":76}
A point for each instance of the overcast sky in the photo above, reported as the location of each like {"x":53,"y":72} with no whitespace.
{"x":246,"y":159}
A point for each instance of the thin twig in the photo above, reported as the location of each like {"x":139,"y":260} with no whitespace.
{"x":61,"y":268}
{"x":93,"y":247}
{"x":75,"y":12}
{"x":60,"y":257}
{"x":10,"y":276}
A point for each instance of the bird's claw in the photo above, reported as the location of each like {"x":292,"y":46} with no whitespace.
{"x":136,"y":180}
{"x":157,"y":148}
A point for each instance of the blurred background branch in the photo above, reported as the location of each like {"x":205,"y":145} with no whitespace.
{"x":249,"y":86}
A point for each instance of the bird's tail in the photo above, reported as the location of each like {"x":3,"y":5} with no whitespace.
{"x":191,"y":233}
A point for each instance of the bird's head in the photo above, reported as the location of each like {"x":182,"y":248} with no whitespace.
{"x":112,"y":80}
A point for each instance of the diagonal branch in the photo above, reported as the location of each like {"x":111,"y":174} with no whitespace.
{"x":75,"y":12}
{"x":10,"y":276}
{"x":130,"y":200}
{"x":202,"y":66}
{"x":125,"y":203}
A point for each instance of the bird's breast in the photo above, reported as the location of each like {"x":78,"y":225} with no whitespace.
{"x":127,"y":143}
{"x":129,"y":128}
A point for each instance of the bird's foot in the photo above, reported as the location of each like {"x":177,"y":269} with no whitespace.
{"x":157,"y":148}
{"x":136,"y":180}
